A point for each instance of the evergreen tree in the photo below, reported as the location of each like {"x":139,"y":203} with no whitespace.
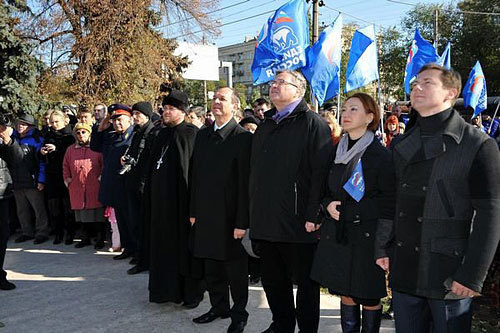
{"x":18,"y":68}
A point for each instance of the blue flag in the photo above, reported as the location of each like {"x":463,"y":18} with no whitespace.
{"x":474,"y":92}
{"x":445,"y":58}
{"x":282,"y":42}
{"x":355,"y":185}
{"x":362,"y":67}
{"x":323,"y":63}
{"x":422,"y":52}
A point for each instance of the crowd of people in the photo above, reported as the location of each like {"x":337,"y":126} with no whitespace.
{"x":215,"y":201}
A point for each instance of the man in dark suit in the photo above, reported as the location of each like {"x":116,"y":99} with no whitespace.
{"x":446,"y":228}
{"x":219,"y":209}
{"x":290,"y":153}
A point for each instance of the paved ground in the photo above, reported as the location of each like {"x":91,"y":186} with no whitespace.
{"x":63,"y":289}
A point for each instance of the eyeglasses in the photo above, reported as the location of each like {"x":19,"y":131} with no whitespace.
{"x":81,"y":132}
{"x":281,"y":82}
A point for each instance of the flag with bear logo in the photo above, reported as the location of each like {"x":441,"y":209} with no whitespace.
{"x":282,"y":42}
{"x":355,"y":185}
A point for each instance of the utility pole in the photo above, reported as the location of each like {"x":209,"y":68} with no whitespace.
{"x":315,"y":35}
{"x":436,"y":30}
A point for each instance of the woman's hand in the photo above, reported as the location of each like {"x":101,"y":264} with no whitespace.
{"x":332,"y":210}
{"x":383,"y":263}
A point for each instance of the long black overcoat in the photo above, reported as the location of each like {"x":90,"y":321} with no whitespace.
{"x":219,"y":190}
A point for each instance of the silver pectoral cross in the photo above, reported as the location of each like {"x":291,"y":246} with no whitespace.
{"x":158,"y":163}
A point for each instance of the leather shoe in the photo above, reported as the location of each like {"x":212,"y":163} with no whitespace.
{"x":122,"y":256}
{"x":209,"y":317}
{"x":6,"y":285}
{"x":23,"y":238}
{"x":40,"y":239}
{"x":135,"y":270}
{"x":237,"y":327}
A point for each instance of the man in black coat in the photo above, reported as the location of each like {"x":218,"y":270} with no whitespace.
{"x":174,"y":275}
{"x":134,"y":169}
{"x":10,"y":152}
{"x":113,"y":142}
{"x":446,"y":228}
{"x":290,"y":153}
{"x":219,"y":209}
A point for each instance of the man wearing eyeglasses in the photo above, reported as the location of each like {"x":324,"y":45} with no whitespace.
{"x":289,"y":161}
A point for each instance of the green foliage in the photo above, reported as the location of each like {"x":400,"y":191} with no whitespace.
{"x":473,"y":37}
{"x":18,"y":68}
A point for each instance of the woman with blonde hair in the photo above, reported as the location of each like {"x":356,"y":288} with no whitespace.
{"x":329,"y":117}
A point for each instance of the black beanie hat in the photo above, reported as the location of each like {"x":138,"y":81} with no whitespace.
{"x":143,"y":107}
{"x":177,"y":99}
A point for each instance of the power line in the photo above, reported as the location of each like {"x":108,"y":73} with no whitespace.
{"x":228,"y":23}
{"x":207,"y":13}
{"x":450,"y":10}
{"x":355,"y":17}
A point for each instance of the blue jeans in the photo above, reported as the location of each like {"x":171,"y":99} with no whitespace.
{"x":414,"y":314}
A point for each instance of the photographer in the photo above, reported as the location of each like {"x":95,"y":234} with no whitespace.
{"x":10,"y":152}
{"x":135,"y":164}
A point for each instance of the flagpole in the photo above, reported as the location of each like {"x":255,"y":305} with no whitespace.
{"x":492,"y":119}
{"x":337,"y":114}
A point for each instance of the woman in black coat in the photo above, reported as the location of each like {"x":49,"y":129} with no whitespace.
{"x":58,"y":138}
{"x":359,"y":196}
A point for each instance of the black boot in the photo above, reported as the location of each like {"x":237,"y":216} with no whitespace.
{"x":371,"y":321}
{"x":349,"y":318}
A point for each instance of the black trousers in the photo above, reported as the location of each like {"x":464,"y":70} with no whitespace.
{"x":227,"y":276}
{"x":4,"y":234}
{"x":127,"y":212}
{"x":282,"y":265}
{"x":61,"y":215}
{"x":414,"y":314}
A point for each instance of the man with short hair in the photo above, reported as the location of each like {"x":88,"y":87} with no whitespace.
{"x":446,"y":229}
{"x":112,"y":142}
{"x":86,"y":116}
{"x":290,"y":157}
{"x":100,"y":112}
{"x":28,"y":179}
{"x":260,"y":106}
{"x":219,"y":210}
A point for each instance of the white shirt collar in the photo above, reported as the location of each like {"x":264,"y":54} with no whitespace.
{"x":222,"y":126}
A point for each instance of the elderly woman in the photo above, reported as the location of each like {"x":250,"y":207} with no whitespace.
{"x":82,"y":169}
{"x":359,"y":195}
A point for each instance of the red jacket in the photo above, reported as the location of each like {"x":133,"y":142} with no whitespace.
{"x":84,"y":167}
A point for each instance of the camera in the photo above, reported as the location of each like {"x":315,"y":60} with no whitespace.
{"x":129,"y":162}
{"x":5,"y":119}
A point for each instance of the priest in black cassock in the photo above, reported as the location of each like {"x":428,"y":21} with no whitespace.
{"x":173,"y":276}
{"x":219,"y":210}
